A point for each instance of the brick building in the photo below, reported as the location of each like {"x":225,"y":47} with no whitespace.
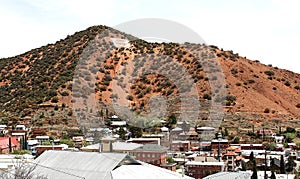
{"x":152,"y":154}
{"x":178,"y":145}
{"x":224,"y":144}
{"x":199,"y":170}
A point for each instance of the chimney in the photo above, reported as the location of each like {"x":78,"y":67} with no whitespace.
{"x":100,"y":147}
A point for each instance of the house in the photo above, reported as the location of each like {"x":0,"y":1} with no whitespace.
{"x":205,"y":130}
{"x":118,"y":123}
{"x":174,"y":134}
{"x":39,"y":149}
{"x":224,"y":144}
{"x":169,"y":166}
{"x":21,"y":127}
{"x":42,"y":139}
{"x":3,"y":129}
{"x":9,"y":145}
{"x":266,"y":134}
{"x":31,"y":144}
{"x":78,"y":140}
{"x":178,"y":145}
{"x":202,"y":169}
{"x":151,"y":153}
{"x":231,"y":157}
{"x":252,"y":147}
{"x":189,"y":135}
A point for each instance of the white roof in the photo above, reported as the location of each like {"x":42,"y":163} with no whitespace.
{"x":216,"y":140}
{"x":69,"y":165}
{"x":164,"y":129}
{"x":180,"y":141}
{"x":114,"y":117}
{"x":42,"y":137}
{"x":205,"y":163}
{"x":251,"y":145}
{"x":230,"y":175}
{"x":118,"y":123}
{"x":18,"y":133}
{"x":91,"y":147}
{"x":32,"y":142}
{"x":205,"y":128}
{"x":125,"y":146}
{"x":20,"y":125}
{"x":177,"y":129}
{"x":143,"y":139}
{"x":144,"y":171}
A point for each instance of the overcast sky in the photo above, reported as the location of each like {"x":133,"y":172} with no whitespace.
{"x":265,"y":30}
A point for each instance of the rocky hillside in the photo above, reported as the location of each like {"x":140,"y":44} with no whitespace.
{"x":42,"y":80}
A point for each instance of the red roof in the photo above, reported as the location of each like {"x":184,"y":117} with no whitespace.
{"x":238,"y":150}
{"x":4,"y":142}
{"x":231,"y":154}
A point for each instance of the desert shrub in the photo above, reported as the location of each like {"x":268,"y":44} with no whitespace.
{"x":65,"y":93}
{"x":267,"y":110}
{"x":207,"y":96}
{"x":269,"y":73}
{"x":54,"y":100}
{"x":238,"y":84}
{"x":129,"y":97}
{"x":287,"y":83}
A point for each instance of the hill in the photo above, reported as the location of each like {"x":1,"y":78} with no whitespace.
{"x":39,"y":85}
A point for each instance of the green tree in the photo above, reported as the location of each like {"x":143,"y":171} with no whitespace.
{"x":254,"y":174}
{"x":290,"y":164}
{"x":172,"y":119}
{"x":122,"y":133}
{"x":136,"y":132}
{"x":290,"y":137}
{"x":47,"y":143}
{"x":236,"y":140}
{"x":290,"y":130}
{"x":70,"y":143}
{"x":226,"y":132}
{"x":271,"y":146}
{"x":244,"y":166}
{"x":170,"y":160}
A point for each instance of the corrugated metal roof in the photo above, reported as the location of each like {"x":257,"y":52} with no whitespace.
{"x":66,"y":164}
{"x":230,"y":175}
{"x":125,"y":146}
{"x":152,"y":147}
{"x":144,"y":171}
